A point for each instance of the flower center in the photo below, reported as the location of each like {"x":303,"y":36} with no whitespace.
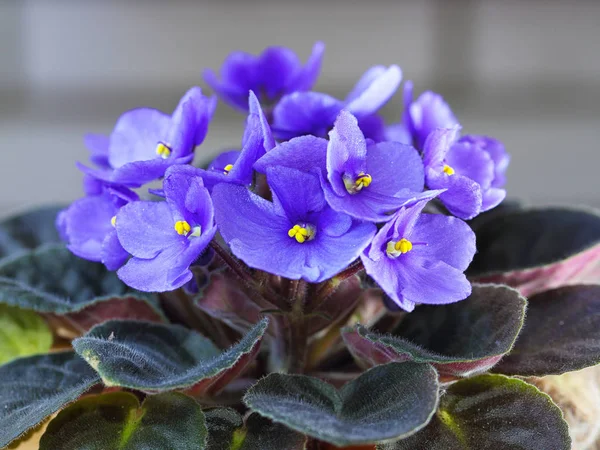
{"x":448,"y":170}
{"x":227,"y":168}
{"x":397,"y":248}
{"x":184,"y":229}
{"x":302,"y":233}
{"x":163,"y":150}
{"x":363,"y":180}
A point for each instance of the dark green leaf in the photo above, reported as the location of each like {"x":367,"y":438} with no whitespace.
{"x":386,"y":402}
{"x":459,"y":339}
{"x":227,"y":431}
{"x":156,"y":357}
{"x":561,"y":333}
{"x":22,"y":333}
{"x":539,"y":249}
{"x":33,"y":388}
{"x":51,"y":279}
{"x":28,"y":231}
{"x":117,"y":421}
{"x":491,"y":412}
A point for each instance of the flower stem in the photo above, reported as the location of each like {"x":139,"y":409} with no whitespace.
{"x":298,"y":342}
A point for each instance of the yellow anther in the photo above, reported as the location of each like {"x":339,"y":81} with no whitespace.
{"x":113,"y":221}
{"x":182,"y":227}
{"x":228,"y":168}
{"x":397,"y":248}
{"x":448,"y":170}
{"x":363,"y":180}
{"x":302,"y":234}
{"x":163,"y":150}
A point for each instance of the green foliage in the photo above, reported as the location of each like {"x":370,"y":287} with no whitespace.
{"x":22,"y":333}
{"x":169,"y":421}
{"x":491,"y":412}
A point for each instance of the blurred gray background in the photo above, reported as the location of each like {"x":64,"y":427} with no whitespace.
{"x":527,"y":72}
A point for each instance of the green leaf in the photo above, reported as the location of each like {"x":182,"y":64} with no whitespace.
{"x":538,"y":249}
{"x":459,"y":339}
{"x":117,"y":421}
{"x":491,"y":412}
{"x":35,"y":387}
{"x":386,"y":402}
{"x":22,"y":333}
{"x":51,"y":279}
{"x":28,"y":231}
{"x":156,"y":357}
{"x":561,"y":333}
{"x":227,"y":431}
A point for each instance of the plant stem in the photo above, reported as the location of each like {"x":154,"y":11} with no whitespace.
{"x":298,"y":342}
{"x":329,"y":287}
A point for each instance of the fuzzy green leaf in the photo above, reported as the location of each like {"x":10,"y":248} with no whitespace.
{"x":386,"y":402}
{"x":156,"y":357}
{"x":227,"y":431}
{"x":117,"y":421}
{"x":28,"y":230}
{"x":538,"y":249}
{"x":459,"y":339}
{"x":561,"y":333}
{"x":33,"y":388}
{"x":51,"y":279}
{"x":22,"y":333}
{"x":491,"y":412}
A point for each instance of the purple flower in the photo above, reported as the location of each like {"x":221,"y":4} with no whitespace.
{"x":420,"y":258}
{"x":425,"y":114}
{"x":165,"y":238}
{"x":314,"y":113}
{"x":275,"y":72}
{"x":366,"y":181}
{"x":88,"y":224}
{"x":145,"y":142}
{"x":236,"y":166}
{"x":470,"y":169}
{"x":297,"y":235}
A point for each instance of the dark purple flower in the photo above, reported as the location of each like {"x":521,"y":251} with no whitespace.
{"x":297,"y":235}
{"x":275,"y":72}
{"x":425,"y":114}
{"x":314,"y":113}
{"x":145,"y":142}
{"x":470,"y":169}
{"x":165,"y":238}
{"x":420,"y":258}
{"x":366,"y":181}
{"x":88,"y":225}
{"x":236,"y":166}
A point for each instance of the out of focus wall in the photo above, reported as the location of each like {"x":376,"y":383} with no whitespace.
{"x":527,"y":72}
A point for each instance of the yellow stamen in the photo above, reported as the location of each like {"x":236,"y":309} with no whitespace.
{"x":182,"y":227}
{"x":302,"y":233}
{"x":362,"y":181}
{"x":163,"y":150}
{"x":113,"y":221}
{"x":448,"y":170}
{"x":228,"y":168}
{"x":395,"y":249}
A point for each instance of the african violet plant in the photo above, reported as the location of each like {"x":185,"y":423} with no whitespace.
{"x":332,"y":283}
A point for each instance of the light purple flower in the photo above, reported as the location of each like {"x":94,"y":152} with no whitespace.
{"x":236,"y":166}
{"x":297,"y":235}
{"x":145,"y":142}
{"x":275,"y":72}
{"x":420,"y":258}
{"x":366,"y":181}
{"x":88,"y":224}
{"x":470,"y":169}
{"x":166,"y":237}
{"x":314,"y":113}
{"x":425,"y":114}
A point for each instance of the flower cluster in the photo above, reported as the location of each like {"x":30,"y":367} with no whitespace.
{"x":318,"y":184}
